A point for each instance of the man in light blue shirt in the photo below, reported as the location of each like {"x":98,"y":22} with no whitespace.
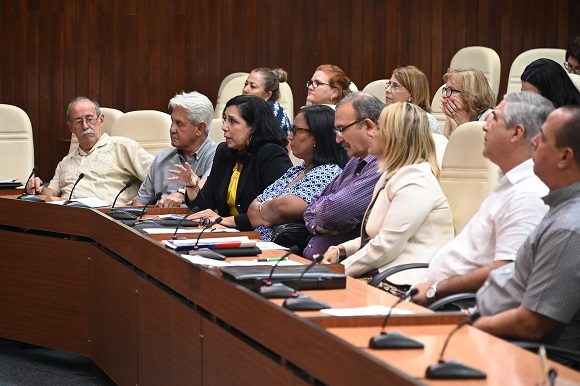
{"x":190,"y":120}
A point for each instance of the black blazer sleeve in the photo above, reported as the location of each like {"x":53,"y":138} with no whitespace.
{"x":264,"y":166}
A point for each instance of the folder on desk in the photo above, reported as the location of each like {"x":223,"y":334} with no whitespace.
{"x":319,"y":277}
{"x":211,"y":243}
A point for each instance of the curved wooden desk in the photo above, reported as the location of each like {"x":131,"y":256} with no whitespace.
{"x":76,"y":280}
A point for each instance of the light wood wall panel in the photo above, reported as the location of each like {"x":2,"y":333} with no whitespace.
{"x":135,"y":54}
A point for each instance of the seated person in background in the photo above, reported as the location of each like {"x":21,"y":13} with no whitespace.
{"x":536,"y":298}
{"x":408,"y":219}
{"x":252,"y":157}
{"x":508,"y":215}
{"x":328,"y":85}
{"x":336,"y":214}
{"x":572,"y":63}
{"x":312,"y":139}
{"x":410,"y":84}
{"x":548,"y":78}
{"x":466,"y":97}
{"x":265,"y":83}
{"x":108,"y":163}
{"x":191,"y":115}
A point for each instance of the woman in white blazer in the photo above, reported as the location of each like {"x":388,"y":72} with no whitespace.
{"x":408,"y":219}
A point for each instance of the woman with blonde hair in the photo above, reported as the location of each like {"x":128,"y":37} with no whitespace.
{"x":466,"y":97}
{"x":409,"y":218}
{"x":410,"y":84}
{"x":327,"y":86}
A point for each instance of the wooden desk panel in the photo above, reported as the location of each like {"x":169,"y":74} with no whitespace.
{"x":239,"y":363}
{"x":170,"y":339}
{"x":504,"y":363}
{"x":114,"y":318}
{"x":44,"y":294}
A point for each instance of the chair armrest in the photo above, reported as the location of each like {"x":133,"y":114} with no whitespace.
{"x":438,"y":304}
{"x":565,"y":355}
{"x":379,"y":277}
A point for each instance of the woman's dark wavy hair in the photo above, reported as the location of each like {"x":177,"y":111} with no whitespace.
{"x":320,"y":120}
{"x":552,"y":81}
{"x":256,"y":112}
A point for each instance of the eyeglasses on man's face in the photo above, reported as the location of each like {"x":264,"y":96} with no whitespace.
{"x":394,"y":86}
{"x":447,"y":91}
{"x":572,"y":69}
{"x":316,"y":83}
{"x":340,"y":130}
{"x":90,"y":120}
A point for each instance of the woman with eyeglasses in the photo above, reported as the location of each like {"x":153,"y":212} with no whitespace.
{"x":410,"y":84}
{"x":408,"y":219}
{"x":265,"y":83}
{"x":466,"y":97}
{"x":252,"y":157}
{"x":549,"y":79}
{"x":327,"y":86}
{"x":313,"y":140}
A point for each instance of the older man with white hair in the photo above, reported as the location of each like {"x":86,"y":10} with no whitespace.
{"x":191,"y":117}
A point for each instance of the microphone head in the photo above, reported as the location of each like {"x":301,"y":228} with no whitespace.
{"x":34,"y":169}
{"x":155,"y":198}
{"x":81,"y":176}
{"x":128,"y":184}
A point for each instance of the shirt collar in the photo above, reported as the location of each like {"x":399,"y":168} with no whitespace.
{"x":520,"y":172}
{"x":556,"y":197}
{"x":103,"y":139}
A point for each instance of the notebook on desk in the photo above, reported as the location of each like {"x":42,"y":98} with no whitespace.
{"x":318,"y":277}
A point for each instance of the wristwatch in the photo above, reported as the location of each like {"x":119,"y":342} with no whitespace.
{"x":182,"y":191}
{"x":432,"y":291}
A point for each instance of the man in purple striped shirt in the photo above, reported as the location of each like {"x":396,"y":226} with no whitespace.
{"x":336,"y":214}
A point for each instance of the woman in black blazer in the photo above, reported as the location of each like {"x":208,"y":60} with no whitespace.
{"x":252,"y":157}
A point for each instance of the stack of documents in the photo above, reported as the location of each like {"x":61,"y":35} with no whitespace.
{"x":212,"y":243}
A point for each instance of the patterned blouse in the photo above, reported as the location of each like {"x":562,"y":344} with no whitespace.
{"x":280,"y":116}
{"x":312,"y":183}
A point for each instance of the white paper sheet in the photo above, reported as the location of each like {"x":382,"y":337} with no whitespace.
{"x":376,"y":310}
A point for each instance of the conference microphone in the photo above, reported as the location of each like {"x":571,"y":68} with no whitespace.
{"x":120,"y":214}
{"x":454,"y":369}
{"x":30,"y":197}
{"x":207,"y":223}
{"x":152,"y":201}
{"x":75,"y":203}
{"x":191,"y":211}
{"x":394,"y":340}
{"x":272,"y":290}
{"x":298,"y":302}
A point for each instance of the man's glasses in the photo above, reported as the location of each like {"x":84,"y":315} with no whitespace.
{"x":394,"y":86}
{"x":447,"y":91}
{"x":340,"y":130}
{"x":90,"y":120}
{"x":572,"y":69}
{"x":316,"y":83}
{"x":296,"y":129}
